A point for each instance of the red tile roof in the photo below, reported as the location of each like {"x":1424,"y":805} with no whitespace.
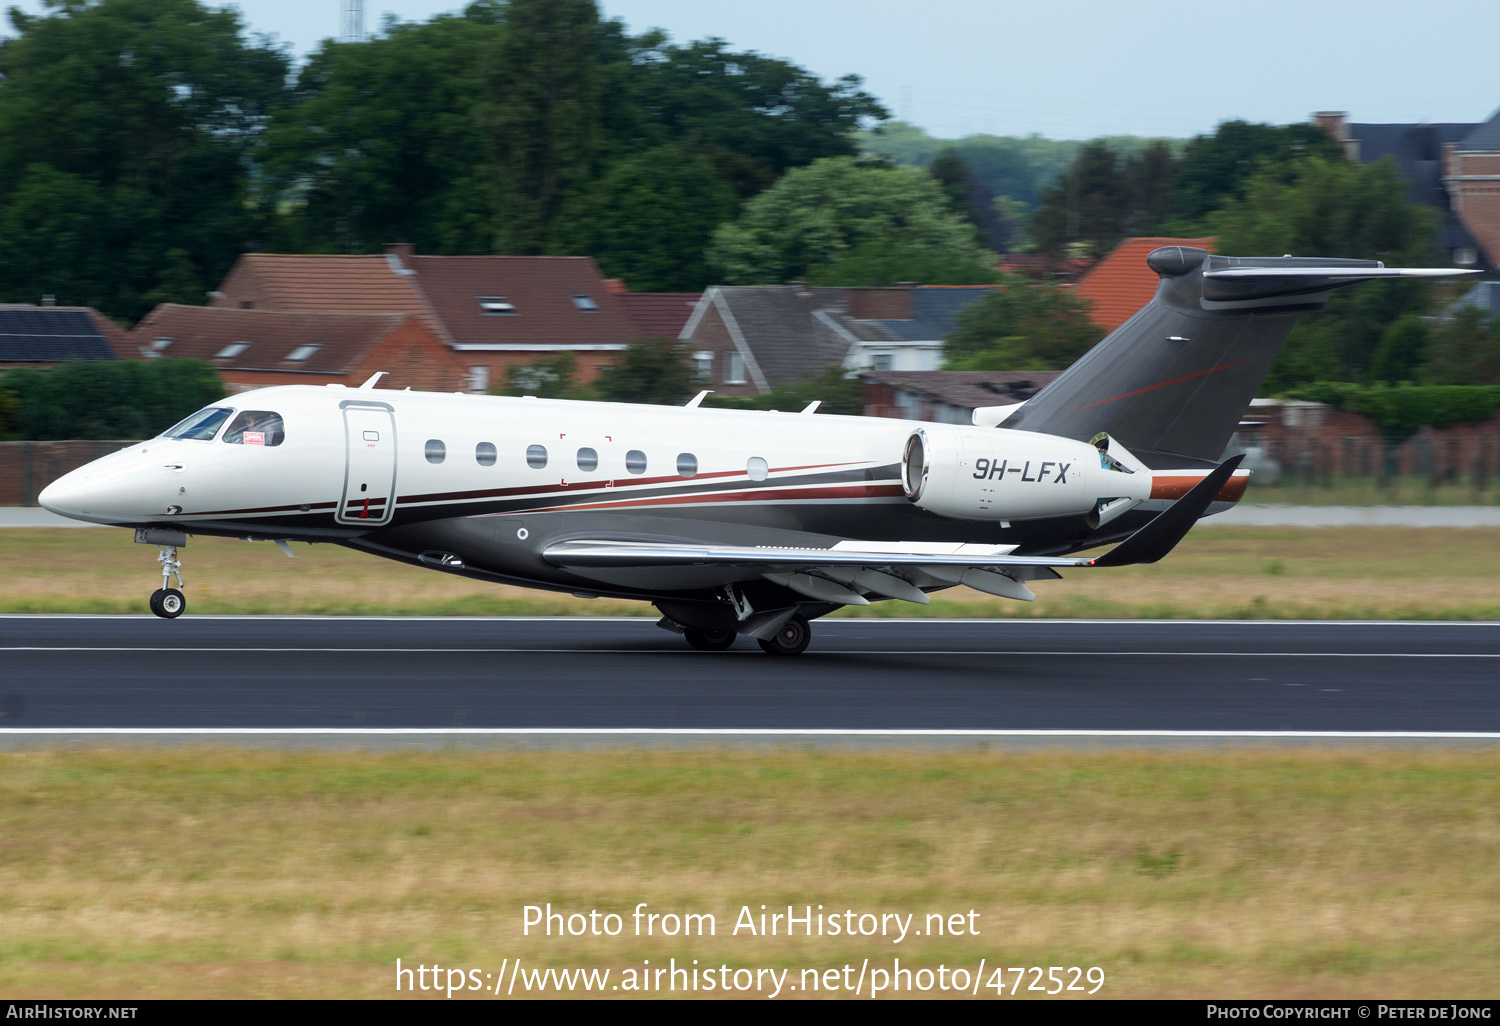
{"x":202,"y":332}
{"x":659,"y":313}
{"x":1121,"y":283}
{"x":542,"y":290}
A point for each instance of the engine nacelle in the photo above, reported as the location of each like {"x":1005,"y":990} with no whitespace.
{"x":995,"y":474}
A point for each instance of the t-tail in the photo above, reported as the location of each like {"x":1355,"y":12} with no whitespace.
{"x":1173,"y":381}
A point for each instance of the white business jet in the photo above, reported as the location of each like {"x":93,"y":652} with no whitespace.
{"x":735,"y":522}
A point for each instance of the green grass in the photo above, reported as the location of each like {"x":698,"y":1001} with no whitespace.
{"x":191,"y":872}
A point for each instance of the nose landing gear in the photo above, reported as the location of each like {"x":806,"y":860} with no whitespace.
{"x":166,"y":602}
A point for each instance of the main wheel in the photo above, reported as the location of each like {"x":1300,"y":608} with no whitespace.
{"x":790,"y":640}
{"x":709,"y":641}
{"x":168,"y":604}
{"x":156,"y":600}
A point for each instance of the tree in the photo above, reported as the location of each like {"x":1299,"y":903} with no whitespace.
{"x":383,"y":141}
{"x":125,"y":133}
{"x":649,"y":217}
{"x":106,"y":399}
{"x":1215,"y":169}
{"x":834,"y":390}
{"x":1104,"y":197}
{"x":1021,"y":325}
{"x":653,"y":370}
{"x":1401,"y":352}
{"x":1465,"y":350}
{"x":1336,"y":208}
{"x":886,"y":262}
{"x":817,"y":215}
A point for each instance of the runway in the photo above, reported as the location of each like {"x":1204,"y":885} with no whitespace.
{"x":368,"y":674}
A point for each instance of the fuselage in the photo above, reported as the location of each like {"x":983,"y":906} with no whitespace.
{"x":479,"y":485}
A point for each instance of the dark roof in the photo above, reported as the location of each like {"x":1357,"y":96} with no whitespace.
{"x":969,"y":389}
{"x":541,"y":288}
{"x":1485,"y":295}
{"x":1418,"y":152}
{"x":53,"y":334}
{"x":780,"y":325}
{"x":202,"y":332}
{"x":659,"y":313}
{"x":934,"y":311}
{"x":1485,"y":137}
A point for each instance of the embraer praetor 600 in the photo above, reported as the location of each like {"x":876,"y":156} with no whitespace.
{"x":737,"y":522}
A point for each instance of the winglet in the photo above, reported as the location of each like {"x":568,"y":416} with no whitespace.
{"x":1162,"y":534}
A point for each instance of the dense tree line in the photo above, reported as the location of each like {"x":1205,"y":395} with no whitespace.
{"x":146,"y":143}
{"x":129,"y":399}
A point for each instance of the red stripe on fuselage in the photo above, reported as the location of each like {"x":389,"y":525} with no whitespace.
{"x":1163,"y":384}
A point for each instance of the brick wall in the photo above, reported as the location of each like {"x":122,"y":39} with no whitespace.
{"x":1474,"y":185}
{"x":869,"y":304}
{"x":28,"y":467}
{"x":1317,"y":443}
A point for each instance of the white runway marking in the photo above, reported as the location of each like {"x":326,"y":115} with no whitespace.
{"x":746,"y":651}
{"x":1373,"y":735}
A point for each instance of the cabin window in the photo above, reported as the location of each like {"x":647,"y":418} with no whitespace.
{"x":435,"y":451}
{"x":635,"y":461}
{"x":201,"y":426}
{"x":484,"y":454}
{"x":256,"y":427}
{"x":687,"y":464}
{"x":757,"y":468}
{"x":536,"y":456}
{"x":588,"y":460}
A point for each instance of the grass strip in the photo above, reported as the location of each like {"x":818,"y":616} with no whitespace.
{"x":220,"y":872}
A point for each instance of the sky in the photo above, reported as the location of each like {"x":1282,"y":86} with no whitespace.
{"x":1073,"y":70}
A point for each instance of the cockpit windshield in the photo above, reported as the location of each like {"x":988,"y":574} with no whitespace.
{"x":201,"y":426}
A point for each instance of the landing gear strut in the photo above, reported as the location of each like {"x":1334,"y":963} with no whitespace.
{"x":166,"y":602}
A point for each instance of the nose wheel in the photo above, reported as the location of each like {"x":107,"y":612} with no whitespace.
{"x":167,"y":602}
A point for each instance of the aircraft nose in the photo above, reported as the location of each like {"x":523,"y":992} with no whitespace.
{"x":68,"y":495}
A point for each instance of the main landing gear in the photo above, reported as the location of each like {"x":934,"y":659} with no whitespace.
{"x":790,"y":640}
{"x":709,"y":641}
{"x":166,"y":602}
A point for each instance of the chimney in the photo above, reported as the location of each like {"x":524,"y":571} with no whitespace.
{"x":402,"y":250}
{"x":615,"y":285}
{"x":1336,"y":124}
{"x":49,"y":300}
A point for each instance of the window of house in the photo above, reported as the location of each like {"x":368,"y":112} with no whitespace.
{"x":880,"y":362}
{"x":588,"y":460}
{"x":435,"y":451}
{"x":232,"y":350}
{"x":301,"y":353}
{"x":734,"y":369}
{"x":687,"y":464}
{"x":536,"y":456}
{"x":1465,"y":255}
{"x":635,"y":461}
{"x":479,"y":378}
{"x":484,"y":454}
{"x":201,"y":426}
{"x":256,"y":427}
{"x":703,"y":365}
{"x":757,"y":468}
{"x":497,"y":306}
{"x":586,"y":303}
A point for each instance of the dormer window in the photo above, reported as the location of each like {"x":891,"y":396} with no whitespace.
{"x":161,"y":343}
{"x":497,"y":306}
{"x":586,"y":304}
{"x":232,"y":350}
{"x":301,"y":353}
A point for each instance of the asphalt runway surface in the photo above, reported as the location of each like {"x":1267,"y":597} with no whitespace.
{"x":362,"y":674}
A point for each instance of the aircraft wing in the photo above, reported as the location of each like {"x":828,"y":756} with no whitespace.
{"x":895,"y":569}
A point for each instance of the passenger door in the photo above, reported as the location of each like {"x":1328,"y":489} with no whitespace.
{"x":369,"y":496}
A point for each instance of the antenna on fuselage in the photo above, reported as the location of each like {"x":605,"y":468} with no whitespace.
{"x":697,"y":400}
{"x":372,"y":379}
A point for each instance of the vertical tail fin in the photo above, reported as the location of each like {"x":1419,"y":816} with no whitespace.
{"x":1177,"y":376}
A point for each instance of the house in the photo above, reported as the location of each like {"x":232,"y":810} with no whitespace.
{"x":1120,"y":284}
{"x":45,"y":336}
{"x":1452,"y":167}
{"x":655,"y":314}
{"x":750,"y":339}
{"x":253,"y":348}
{"x":947,"y":397}
{"x":493,"y":312}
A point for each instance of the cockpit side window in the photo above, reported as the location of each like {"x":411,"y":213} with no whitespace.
{"x":256,"y":427}
{"x":201,"y":426}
